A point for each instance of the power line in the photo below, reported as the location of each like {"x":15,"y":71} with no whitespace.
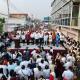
{"x":13,"y":6}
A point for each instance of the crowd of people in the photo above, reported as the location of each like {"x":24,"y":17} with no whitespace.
{"x":38,"y":65}
{"x":39,"y":37}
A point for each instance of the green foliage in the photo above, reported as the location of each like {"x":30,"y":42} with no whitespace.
{"x":2,"y":20}
{"x":1,"y":27}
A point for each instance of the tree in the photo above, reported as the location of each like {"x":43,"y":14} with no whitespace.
{"x":2,"y":21}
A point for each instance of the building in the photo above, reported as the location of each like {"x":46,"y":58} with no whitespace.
{"x":15,"y":20}
{"x":47,"y":21}
{"x":66,"y":14}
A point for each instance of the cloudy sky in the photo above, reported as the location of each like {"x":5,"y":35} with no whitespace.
{"x":37,"y":8}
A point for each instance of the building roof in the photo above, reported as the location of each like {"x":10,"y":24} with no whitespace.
{"x":18,"y":15}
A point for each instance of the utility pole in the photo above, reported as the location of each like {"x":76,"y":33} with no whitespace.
{"x":7,"y":19}
{"x":8,"y":7}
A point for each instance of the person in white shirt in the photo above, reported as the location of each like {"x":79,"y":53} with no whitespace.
{"x":51,"y":50}
{"x":4,"y":67}
{"x":23,"y":73}
{"x":25,"y":63}
{"x":45,"y":39}
{"x":37,"y":72}
{"x":62,"y":38}
{"x":38,"y":60}
{"x":17,"y":68}
{"x":68,"y":74}
{"x":37,"y":38}
{"x":33,"y":37}
{"x":11,"y":66}
{"x":42,"y":64}
{"x":63,"y":59}
{"x":68,"y":64}
{"x":30,"y":72}
{"x":34,"y":54}
{"x":46,"y":72}
{"x":48,"y":56}
{"x":19,"y":32}
{"x":17,"y":36}
{"x":71,"y":58}
{"x":23,"y":38}
{"x":13,"y":56}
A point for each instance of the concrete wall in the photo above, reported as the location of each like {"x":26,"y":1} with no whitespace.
{"x":79,"y":16}
{"x":72,"y":33}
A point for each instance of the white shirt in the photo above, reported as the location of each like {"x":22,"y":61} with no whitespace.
{"x":23,"y":37}
{"x":46,"y":63}
{"x":63,"y":59}
{"x":4,"y":69}
{"x":68,"y":75}
{"x":37,"y":73}
{"x":71,"y":58}
{"x":32,"y":35}
{"x":1,"y":76}
{"x":46,"y":73}
{"x":38,"y":60}
{"x":36,"y":36}
{"x":42,"y":65}
{"x":17,"y":36}
{"x":49,"y":57}
{"x":61,"y":37}
{"x":34,"y":54}
{"x":17,"y":69}
{"x":30,"y":71}
{"x":19,"y":32}
{"x":41,"y":35}
{"x":13,"y":56}
{"x":12,"y":66}
{"x":45,"y":37}
{"x":67,"y":65}
{"x":24,"y":73}
{"x":51,"y":50}
{"x":25,"y":63}
{"x":67,"y":55}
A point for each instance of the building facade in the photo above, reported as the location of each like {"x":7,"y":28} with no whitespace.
{"x":15,"y":20}
{"x":66,"y":13}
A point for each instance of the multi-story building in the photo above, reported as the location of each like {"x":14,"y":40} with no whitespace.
{"x":66,"y":14}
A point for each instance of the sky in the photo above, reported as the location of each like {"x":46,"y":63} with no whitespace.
{"x":35,"y":8}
